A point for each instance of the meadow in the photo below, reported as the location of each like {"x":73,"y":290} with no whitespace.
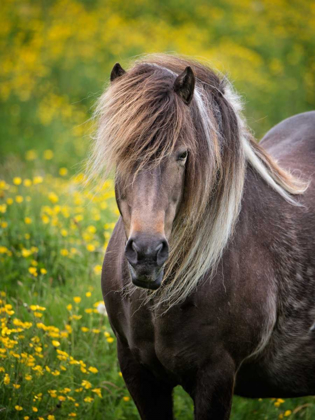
{"x":57,"y":351}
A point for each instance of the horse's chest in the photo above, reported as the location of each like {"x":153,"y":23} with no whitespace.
{"x":166,"y":344}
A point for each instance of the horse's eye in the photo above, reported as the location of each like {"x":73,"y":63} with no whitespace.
{"x":182,"y":156}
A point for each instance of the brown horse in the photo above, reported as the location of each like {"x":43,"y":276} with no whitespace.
{"x":209,"y":277}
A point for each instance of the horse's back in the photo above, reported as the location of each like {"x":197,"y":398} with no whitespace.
{"x":292,"y":143}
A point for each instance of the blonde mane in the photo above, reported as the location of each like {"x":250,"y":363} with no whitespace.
{"x":140,"y":120}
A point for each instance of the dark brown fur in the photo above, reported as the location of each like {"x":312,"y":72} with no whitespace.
{"x":248,"y":328}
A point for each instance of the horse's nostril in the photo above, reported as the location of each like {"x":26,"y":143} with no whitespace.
{"x":162,"y":253}
{"x":131,"y":251}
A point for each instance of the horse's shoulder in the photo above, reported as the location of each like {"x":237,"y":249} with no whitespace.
{"x":294,"y":137}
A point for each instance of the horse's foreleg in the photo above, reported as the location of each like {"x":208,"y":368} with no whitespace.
{"x":152,"y":397}
{"x":213,"y":390}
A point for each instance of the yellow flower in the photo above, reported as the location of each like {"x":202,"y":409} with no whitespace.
{"x":10,"y":201}
{"x":37,"y":180}
{"x":126,"y":399}
{"x":64,"y":232}
{"x":55,"y":343}
{"x":4,"y":224}
{"x":53,"y":197}
{"x":90,"y":247}
{"x":17,"y":180}
{"x":48,"y":154}
{"x":110,"y":340}
{"x":86,"y":384}
{"x":19,"y":199}
{"x":88,"y":294}
{"x":77,"y":299}
{"x":28,"y":220}
{"x":18,"y":408}
{"x":63,"y":171}
{"x":120,"y":374}
{"x":84,"y":329}
{"x":287,"y":413}
{"x":69,"y":307}
{"x":28,"y":377}
{"x":31,"y":155}
{"x":72,"y":415}
{"x":45,"y":219}
{"x":93,"y":369}
{"x":27,"y":182}
{"x":35,"y":409}
{"x":51,"y":417}
{"x":6,"y":379}
{"x":97,"y":392}
{"x":26,"y":418}
{"x":33,"y":271}
{"x":38,"y":314}
{"x":64,"y":252}
{"x":88,"y":399}
{"x":97,"y":269}
{"x":43,"y":271}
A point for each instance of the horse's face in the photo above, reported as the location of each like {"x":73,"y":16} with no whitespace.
{"x":148,"y":205}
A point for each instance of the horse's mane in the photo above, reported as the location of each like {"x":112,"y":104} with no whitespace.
{"x":141,"y":119}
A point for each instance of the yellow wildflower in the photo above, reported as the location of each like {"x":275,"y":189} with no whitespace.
{"x":27,"y":182}
{"x":69,"y":307}
{"x":90,"y":247}
{"x":55,"y":343}
{"x":33,"y":271}
{"x":43,"y":271}
{"x":77,"y":299}
{"x":88,"y":399}
{"x":37,"y":180}
{"x":64,"y":252}
{"x":287,"y":413}
{"x":19,"y":199}
{"x":84,"y":329}
{"x":53,"y":197}
{"x":97,"y":269}
{"x":88,"y":294}
{"x":63,"y":171}
{"x":17,"y":180}
{"x":6,"y":379}
{"x":93,"y":369}
{"x":18,"y":408}
{"x":110,"y":340}
{"x":51,"y":417}
{"x":48,"y":154}
{"x":27,"y":220}
{"x":30,"y":155}
{"x":97,"y":392}
{"x":126,"y":399}
{"x":86,"y":384}
{"x":35,"y":409}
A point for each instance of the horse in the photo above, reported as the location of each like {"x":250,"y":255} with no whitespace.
{"x":209,"y":275}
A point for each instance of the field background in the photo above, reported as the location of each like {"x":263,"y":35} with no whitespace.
{"x":57,"y":352}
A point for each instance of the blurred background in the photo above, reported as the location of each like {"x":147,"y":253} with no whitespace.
{"x":57,"y":351}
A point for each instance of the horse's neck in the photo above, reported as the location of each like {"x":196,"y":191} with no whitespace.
{"x":267,"y":218}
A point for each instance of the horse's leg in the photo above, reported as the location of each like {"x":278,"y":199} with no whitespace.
{"x":213,"y":390}
{"x":152,"y":397}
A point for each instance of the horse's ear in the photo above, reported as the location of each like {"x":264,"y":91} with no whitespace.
{"x":116,"y":72}
{"x":184,"y":85}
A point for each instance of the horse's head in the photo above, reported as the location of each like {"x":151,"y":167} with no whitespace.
{"x":149,"y":200}
{"x":172,"y":137}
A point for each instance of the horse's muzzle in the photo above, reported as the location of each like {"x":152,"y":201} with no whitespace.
{"x":146,"y":255}
{"x":147,"y":281}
